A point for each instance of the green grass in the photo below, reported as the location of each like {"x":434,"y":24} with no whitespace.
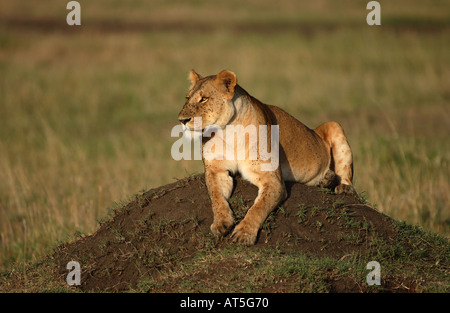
{"x":85,"y":116}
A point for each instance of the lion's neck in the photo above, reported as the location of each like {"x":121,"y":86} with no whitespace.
{"x":243,"y":108}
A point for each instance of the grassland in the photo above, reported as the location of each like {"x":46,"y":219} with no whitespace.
{"x":316,"y":241}
{"x":86,"y":113}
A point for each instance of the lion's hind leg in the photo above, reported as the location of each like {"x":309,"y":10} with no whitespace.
{"x":330,"y":180}
{"x":341,"y":155}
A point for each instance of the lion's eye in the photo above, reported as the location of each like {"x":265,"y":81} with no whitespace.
{"x":204,"y":99}
{"x":187,"y":98}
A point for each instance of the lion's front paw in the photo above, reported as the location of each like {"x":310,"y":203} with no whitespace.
{"x":244,"y":234}
{"x":222,"y":226}
{"x":344,"y":188}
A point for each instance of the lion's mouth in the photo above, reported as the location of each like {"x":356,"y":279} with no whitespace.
{"x":198,"y":127}
{"x":193,"y":129}
{"x":207,"y":131}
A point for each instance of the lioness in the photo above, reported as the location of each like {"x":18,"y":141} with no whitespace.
{"x":313,"y":157}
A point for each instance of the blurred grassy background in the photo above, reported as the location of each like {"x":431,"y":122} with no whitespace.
{"x":86,"y":112}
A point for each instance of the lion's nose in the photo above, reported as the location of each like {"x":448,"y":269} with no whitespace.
{"x":184,"y":120}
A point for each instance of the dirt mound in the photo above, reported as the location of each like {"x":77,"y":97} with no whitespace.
{"x":160,"y":231}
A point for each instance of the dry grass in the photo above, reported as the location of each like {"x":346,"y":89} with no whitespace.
{"x":85,"y":115}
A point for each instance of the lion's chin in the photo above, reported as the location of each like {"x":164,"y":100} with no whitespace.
{"x":192,"y":134}
{"x":206,"y":131}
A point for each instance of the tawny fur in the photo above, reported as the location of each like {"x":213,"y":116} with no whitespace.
{"x":320,"y":157}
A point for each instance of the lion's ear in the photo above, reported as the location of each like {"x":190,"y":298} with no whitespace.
{"x":194,"y":78}
{"x":228,"y":80}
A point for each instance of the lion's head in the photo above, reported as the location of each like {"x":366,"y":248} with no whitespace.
{"x":210,"y":99}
